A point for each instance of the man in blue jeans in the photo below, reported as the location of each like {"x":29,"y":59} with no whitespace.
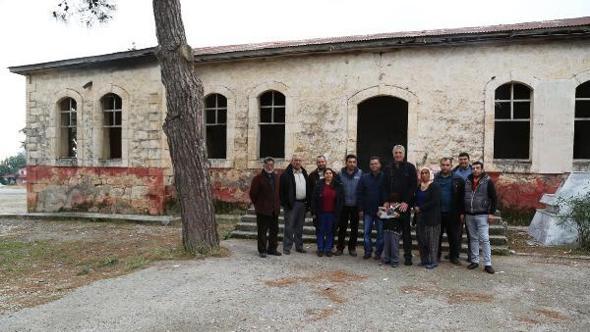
{"x":369,"y":198}
{"x":480,"y":203}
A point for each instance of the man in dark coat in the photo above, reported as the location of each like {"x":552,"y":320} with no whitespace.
{"x":452,"y":189}
{"x":400,"y":183}
{"x":295,"y":193}
{"x":264,"y":193}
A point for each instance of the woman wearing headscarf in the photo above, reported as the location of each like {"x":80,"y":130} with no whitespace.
{"x":427,"y":218}
{"x":327,"y":202}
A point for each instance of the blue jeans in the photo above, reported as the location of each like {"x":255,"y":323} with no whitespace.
{"x":325,"y":235}
{"x":479,"y":231}
{"x":370,"y":222}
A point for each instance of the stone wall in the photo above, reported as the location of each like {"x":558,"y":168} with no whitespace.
{"x":127,"y":190}
{"x":449,"y":91}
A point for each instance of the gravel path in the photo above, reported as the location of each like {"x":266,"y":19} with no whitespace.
{"x":297,"y":292}
{"x":13,"y":199}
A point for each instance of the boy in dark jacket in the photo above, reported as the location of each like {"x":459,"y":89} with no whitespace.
{"x":264,"y":193}
{"x":480,"y":203}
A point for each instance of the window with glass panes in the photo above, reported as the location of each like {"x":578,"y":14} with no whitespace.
{"x":272,"y":124}
{"x":112,"y":109}
{"x":68,"y":128}
{"x":582,"y":122}
{"x":216,"y":126}
{"x":512,"y":121}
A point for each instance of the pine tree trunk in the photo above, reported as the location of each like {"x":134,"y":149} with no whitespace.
{"x":185,"y":130}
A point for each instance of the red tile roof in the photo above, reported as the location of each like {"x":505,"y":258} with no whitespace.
{"x":569,"y":28}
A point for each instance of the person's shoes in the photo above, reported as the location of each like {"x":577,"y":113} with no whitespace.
{"x":455,"y":261}
{"x":262,"y":254}
{"x":286,"y":251}
{"x":408,"y":261}
{"x":473,"y":266}
{"x":338,"y":253}
{"x":275,"y":253}
{"x":329,"y":254}
{"x":385,"y":262}
{"x":320,"y":254}
{"x":377,"y":257}
{"x":431,"y":266}
{"x":446,"y":257}
{"x":352,"y":253}
{"x":489,"y":269}
{"x":301,"y":250}
{"x":394,"y":265}
{"x":366,"y":256}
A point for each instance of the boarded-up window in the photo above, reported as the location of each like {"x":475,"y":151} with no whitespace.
{"x":68,"y":139}
{"x":112,"y":107}
{"x":582,"y":122}
{"x":216,"y":125}
{"x":272,"y":124}
{"x":512,"y":124}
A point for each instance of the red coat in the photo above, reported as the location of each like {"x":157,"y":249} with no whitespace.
{"x":265,"y":201}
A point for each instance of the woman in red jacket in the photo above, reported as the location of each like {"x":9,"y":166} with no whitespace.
{"x":326,"y":204}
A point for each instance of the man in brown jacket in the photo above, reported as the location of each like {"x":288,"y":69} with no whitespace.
{"x":264,"y":193}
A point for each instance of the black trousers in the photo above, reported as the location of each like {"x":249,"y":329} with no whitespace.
{"x":349,"y":213}
{"x":266,"y":224}
{"x":450,"y":224}
{"x":406,"y":234}
{"x":464,"y":226}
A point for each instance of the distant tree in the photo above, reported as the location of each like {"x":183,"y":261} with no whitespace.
{"x":184,"y":118}
{"x":12,"y":164}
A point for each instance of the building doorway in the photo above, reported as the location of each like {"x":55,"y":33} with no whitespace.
{"x":382,"y":122}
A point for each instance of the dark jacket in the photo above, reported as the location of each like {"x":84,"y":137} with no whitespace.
{"x":483,"y":199}
{"x":314,"y":179}
{"x":458,"y":193}
{"x":400,"y":182}
{"x":369,"y":193}
{"x":430,"y":211}
{"x":264,"y":193}
{"x":349,"y":184}
{"x":316,"y":201}
{"x":287,"y":188}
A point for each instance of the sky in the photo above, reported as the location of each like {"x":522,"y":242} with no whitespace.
{"x":29,"y":34}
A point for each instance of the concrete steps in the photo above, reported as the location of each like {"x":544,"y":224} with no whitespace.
{"x":246,"y":229}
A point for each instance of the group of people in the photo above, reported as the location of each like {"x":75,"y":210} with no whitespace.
{"x":389,"y":200}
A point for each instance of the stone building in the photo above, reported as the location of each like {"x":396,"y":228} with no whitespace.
{"x":515,"y":96}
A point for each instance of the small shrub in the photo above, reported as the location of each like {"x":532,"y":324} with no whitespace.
{"x":578,"y":212}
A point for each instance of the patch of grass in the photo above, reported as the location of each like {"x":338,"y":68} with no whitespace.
{"x":517,"y":217}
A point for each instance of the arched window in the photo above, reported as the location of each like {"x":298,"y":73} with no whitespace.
{"x":582,"y":122}
{"x":68,"y":139}
{"x":216,"y":125}
{"x":112,"y":106}
{"x":512,"y":125}
{"x":272,"y":124}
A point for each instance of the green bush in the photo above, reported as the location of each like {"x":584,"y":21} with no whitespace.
{"x":578,"y":212}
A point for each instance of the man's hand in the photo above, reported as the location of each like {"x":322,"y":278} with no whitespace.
{"x":386,"y":205}
{"x":416,"y":209}
{"x":490,"y":216}
{"x":361,"y":215}
{"x":403,"y":207}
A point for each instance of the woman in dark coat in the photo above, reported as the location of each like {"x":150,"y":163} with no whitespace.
{"x":427,"y":216}
{"x":326,"y":204}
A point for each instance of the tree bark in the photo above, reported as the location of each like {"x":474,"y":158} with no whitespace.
{"x":185,"y":129}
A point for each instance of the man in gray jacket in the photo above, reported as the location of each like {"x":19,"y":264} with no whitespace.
{"x":480,"y":204}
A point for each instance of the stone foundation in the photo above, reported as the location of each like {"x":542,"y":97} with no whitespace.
{"x":131,"y":190}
